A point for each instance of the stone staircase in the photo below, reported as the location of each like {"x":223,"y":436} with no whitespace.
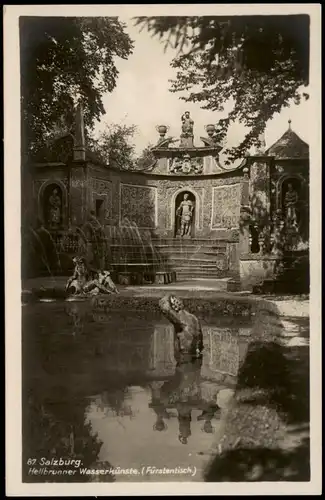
{"x":190,"y":259}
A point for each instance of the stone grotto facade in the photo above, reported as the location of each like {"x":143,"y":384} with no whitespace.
{"x":208,"y":220}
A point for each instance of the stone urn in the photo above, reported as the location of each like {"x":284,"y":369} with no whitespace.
{"x":210,"y":129}
{"x":162,"y":130}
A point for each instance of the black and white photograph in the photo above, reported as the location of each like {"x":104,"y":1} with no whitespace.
{"x":162,"y":217}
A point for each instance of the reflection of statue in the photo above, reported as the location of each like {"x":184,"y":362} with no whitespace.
{"x":290,"y":205}
{"x":55,"y":209}
{"x":183,"y":391}
{"x":158,"y":407}
{"x":185,"y":212}
{"x":184,"y":422}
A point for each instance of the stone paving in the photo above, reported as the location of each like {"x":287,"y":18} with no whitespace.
{"x":289,"y":306}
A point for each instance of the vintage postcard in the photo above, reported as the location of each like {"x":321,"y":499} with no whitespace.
{"x":162,"y":227}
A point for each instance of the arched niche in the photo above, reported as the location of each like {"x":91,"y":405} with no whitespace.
{"x":52,"y":203}
{"x":178,"y":198}
{"x":298,"y":182}
{"x":300,"y":186}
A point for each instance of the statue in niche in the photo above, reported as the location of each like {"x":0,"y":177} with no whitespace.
{"x":54,"y":217}
{"x":185,"y":213}
{"x":290,"y":205}
{"x":187,"y":130}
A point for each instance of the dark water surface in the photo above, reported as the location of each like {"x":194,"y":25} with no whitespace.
{"x":101,"y":389}
{"x":102,"y":386}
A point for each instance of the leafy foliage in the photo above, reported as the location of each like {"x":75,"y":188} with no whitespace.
{"x":259,"y":63}
{"x":64,"y":59}
{"x":114,"y":147}
{"x":147,"y":159}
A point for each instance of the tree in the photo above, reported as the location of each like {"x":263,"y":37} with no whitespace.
{"x":260,"y":63}
{"x":64,"y":59}
{"x":114,"y":146}
{"x":146,"y":159}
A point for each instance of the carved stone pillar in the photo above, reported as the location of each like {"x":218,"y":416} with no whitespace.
{"x":244,"y":234}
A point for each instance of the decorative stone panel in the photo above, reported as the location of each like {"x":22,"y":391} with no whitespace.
{"x":138,"y":204}
{"x":226,"y":206}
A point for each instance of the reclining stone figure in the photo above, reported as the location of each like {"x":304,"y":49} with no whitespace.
{"x":86,"y":280}
{"x":103,"y":283}
{"x":80,"y":276}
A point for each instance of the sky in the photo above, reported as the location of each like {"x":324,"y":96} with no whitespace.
{"x":142,"y":97}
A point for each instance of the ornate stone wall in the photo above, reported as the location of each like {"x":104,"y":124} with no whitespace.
{"x":102,"y":189}
{"x":138,"y":204}
{"x":147,"y":199}
{"x":226,"y":206}
{"x":168,"y":189}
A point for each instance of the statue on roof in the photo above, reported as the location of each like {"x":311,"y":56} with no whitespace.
{"x":187,"y":130}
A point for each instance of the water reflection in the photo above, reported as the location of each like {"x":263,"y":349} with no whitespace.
{"x":106,"y":388}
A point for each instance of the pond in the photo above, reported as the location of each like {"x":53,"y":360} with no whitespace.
{"x":103,"y":399}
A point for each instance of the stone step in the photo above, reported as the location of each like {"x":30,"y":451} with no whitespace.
{"x":192,"y":251}
{"x":211,"y":266}
{"x":199,"y":270}
{"x":189,"y":261}
{"x":160,"y":248}
{"x":183,"y":276}
{"x":209,"y":246}
{"x":199,"y":274}
{"x":190,"y":241}
{"x":217,"y":283}
{"x":173,"y":256}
